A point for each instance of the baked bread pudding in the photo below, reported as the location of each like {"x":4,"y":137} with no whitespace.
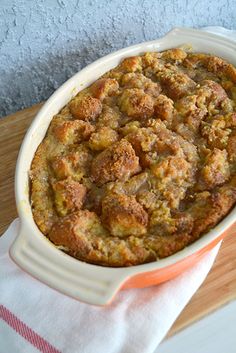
{"x":141,"y":163}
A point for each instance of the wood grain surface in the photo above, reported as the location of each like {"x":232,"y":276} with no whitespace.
{"x":220,"y":285}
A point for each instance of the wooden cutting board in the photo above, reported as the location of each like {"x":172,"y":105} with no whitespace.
{"x":220,"y":285}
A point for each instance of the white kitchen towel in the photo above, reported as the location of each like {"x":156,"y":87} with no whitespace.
{"x":37,"y":318}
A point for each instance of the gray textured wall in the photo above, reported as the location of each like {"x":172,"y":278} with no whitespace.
{"x":44,"y":42}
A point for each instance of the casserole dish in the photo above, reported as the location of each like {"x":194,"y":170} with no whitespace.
{"x":32,"y":250}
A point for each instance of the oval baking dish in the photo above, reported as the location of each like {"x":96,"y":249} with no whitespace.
{"x":34,"y":253}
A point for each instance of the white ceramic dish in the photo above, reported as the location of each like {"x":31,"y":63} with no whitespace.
{"x":31,"y":250}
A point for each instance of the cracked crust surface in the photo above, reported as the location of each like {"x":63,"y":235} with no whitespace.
{"x":141,"y":163}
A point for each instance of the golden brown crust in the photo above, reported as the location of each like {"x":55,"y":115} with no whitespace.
{"x":216,"y":90}
{"x":69,"y":196}
{"x":71,"y":230}
{"x":139,"y":81}
{"x":141,"y":163}
{"x":136,"y":104}
{"x":104,"y":87}
{"x":175,"y":84}
{"x":82,"y":235}
{"x":213,"y":208}
{"x":215,"y":170}
{"x":123,"y":215}
{"x":73,"y":131}
{"x":164,"y":108}
{"x":109,"y":117}
{"x":175,"y":54}
{"x":231,"y":147}
{"x":102,"y":138}
{"x":74,"y":164}
{"x":132,"y":64}
{"x":115,"y":163}
{"x":87,"y":108}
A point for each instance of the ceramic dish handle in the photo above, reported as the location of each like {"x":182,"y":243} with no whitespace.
{"x":94,"y":284}
{"x":221,"y":31}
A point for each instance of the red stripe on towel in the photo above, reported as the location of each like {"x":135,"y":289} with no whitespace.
{"x":25,"y":331}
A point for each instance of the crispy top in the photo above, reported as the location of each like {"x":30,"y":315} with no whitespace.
{"x":141,"y":163}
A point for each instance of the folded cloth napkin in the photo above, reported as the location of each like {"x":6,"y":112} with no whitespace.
{"x":37,"y":318}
